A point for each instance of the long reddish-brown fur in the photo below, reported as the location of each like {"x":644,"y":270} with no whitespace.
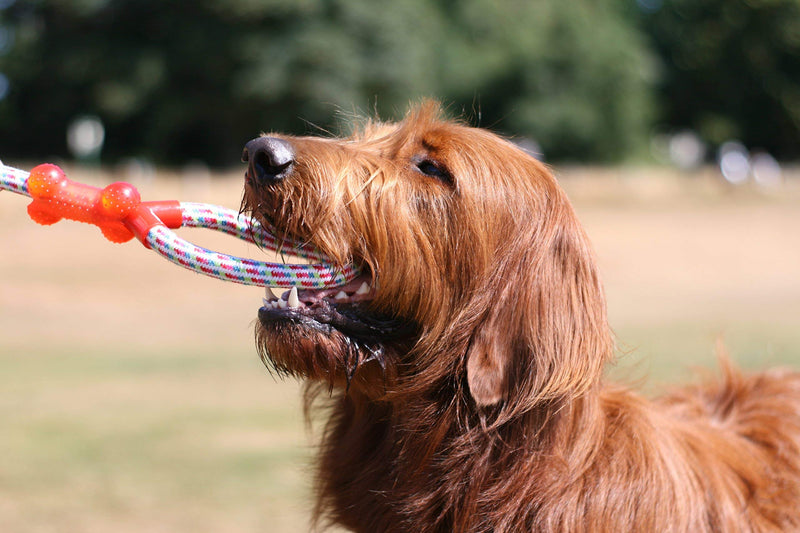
{"x":484,"y":407}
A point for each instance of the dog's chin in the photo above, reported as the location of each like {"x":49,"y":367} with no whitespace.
{"x":345,"y":344}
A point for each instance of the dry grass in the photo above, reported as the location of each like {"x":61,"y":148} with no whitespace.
{"x":131,"y":398}
{"x":688,"y":260}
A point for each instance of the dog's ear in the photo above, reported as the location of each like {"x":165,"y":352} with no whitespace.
{"x":490,"y":355}
{"x":544,"y":335}
{"x":487,"y":367}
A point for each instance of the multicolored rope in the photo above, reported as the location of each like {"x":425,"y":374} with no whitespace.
{"x":196,"y":215}
{"x":120,"y":214}
{"x":14,"y":180}
{"x":240,"y":270}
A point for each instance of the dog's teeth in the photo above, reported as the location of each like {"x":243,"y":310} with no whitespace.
{"x":282,"y":304}
{"x":341,"y":295}
{"x":293,"y":301}
{"x":363,"y":289}
{"x":265,"y":302}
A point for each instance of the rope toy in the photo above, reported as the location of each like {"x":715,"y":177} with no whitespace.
{"x":121,"y":215}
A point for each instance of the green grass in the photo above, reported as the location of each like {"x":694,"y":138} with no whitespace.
{"x":674,"y":353}
{"x":109,"y":442}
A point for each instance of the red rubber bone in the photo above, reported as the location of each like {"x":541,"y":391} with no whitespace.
{"x":117,"y":209}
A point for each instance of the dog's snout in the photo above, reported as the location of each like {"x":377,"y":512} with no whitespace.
{"x":269,"y":159}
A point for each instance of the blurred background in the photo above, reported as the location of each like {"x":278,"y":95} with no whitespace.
{"x":131,"y":397}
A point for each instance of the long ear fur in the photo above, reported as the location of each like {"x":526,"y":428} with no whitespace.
{"x":487,"y":365}
{"x":546,"y":336}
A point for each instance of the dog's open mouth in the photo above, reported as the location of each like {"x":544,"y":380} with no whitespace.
{"x":345,"y":308}
{"x":358,"y":290}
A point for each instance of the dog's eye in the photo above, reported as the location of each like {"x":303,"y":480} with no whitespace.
{"x":434,"y":170}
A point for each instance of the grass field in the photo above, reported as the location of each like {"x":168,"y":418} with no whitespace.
{"x":131,"y":398}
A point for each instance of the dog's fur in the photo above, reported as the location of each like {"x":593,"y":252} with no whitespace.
{"x":467,"y":388}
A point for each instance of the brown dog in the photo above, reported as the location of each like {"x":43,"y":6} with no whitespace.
{"x":466,"y":363}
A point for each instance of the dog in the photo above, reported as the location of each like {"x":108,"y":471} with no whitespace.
{"x":465,"y":364}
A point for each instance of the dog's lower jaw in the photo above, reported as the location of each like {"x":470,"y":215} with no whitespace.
{"x":344,"y":349}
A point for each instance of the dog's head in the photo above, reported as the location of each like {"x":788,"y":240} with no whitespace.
{"x":476,"y":274}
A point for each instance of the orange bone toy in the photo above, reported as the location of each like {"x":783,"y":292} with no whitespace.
{"x":117,"y":209}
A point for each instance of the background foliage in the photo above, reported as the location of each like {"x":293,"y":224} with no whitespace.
{"x":585,"y":79}
{"x":731,"y":69}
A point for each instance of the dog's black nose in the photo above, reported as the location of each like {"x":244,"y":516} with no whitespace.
{"x":270,"y":159}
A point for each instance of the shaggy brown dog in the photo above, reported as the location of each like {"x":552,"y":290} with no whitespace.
{"x":466,"y":363}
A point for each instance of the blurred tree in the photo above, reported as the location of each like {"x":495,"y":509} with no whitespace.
{"x":572,"y":75}
{"x":176,"y":81}
{"x":730,"y":69}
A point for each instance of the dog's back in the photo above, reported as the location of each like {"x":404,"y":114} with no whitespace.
{"x":741,"y":436}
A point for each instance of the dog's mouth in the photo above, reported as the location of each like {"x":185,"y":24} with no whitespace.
{"x":358,"y":290}
{"x":346,"y":309}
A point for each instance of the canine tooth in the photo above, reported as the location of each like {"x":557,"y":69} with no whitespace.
{"x":293,"y":301}
{"x":282,"y":304}
{"x":341,"y":295}
{"x":363,"y":289}
{"x":265,"y":302}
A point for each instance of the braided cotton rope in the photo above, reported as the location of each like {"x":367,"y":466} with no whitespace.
{"x":14,"y":180}
{"x":196,"y":215}
{"x":222,"y":266}
{"x":240,"y":270}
